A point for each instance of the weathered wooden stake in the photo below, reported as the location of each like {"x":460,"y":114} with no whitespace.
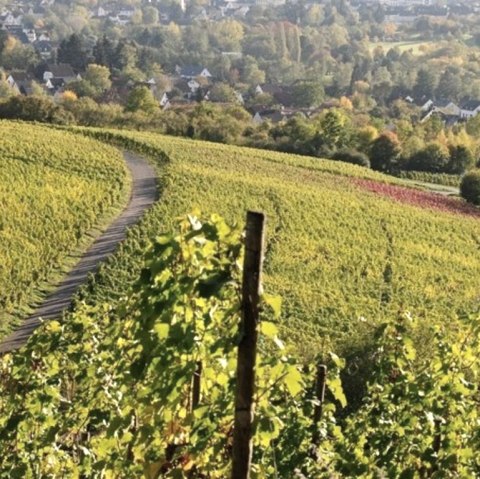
{"x":320,"y":396}
{"x":197,"y":376}
{"x":247,"y":349}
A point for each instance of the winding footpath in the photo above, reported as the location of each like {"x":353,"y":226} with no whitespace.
{"x":144,"y":194}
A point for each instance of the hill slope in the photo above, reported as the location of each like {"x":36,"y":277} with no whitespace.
{"x":341,"y":247}
{"x":55,"y":187}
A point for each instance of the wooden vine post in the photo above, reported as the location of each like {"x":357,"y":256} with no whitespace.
{"x":197,"y":376}
{"x":247,"y":349}
{"x":320,"y":397}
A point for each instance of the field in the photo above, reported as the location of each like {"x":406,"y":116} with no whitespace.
{"x":432,"y":178}
{"x":146,"y":389}
{"x":415,"y":46}
{"x":54,"y":188}
{"x":343,"y":250}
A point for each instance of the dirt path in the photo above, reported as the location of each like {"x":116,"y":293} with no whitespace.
{"x":144,"y":194}
{"x":434,"y":188}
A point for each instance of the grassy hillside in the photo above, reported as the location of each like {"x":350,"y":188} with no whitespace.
{"x":54,"y":188}
{"x":343,"y":244}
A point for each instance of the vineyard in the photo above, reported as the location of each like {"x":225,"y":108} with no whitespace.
{"x":146,"y":388}
{"x":366,"y":276}
{"x":338,"y":251}
{"x":55,"y":187}
{"x":436,"y":178}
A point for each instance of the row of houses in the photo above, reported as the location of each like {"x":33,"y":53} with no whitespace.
{"x":407,"y":11}
{"x":53,"y":81}
{"x":448,"y":109}
{"x":189,"y":84}
{"x":195,"y":82}
{"x":12,"y":21}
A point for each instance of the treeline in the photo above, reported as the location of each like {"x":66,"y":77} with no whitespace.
{"x":338,"y":133}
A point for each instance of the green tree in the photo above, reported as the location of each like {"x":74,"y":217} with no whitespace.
{"x":73,"y":51}
{"x":308,"y":94}
{"x":461,"y":159}
{"x":141,"y":99}
{"x":17,"y":56}
{"x":251,"y":72}
{"x":297,"y":135}
{"x":335,"y":129}
{"x":470,"y":187}
{"x":5,"y":89}
{"x":450,"y":85}
{"x":385,"y":152}
{"x":150,"y":15}
{"x":103,"y":52}
{"x":433,"y":158}
{"x":99,"y":78}
{"x":34,"y":108}
{"x":222,"y":93}
{"x":125,"y":55}
{"x":425,"y":85}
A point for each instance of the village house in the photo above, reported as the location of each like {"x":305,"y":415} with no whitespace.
{"x":21,"y":83}
{"x":277,"y":115}
{"x":44,"y":49}
{"x":446,"y":107}
{"x":282,"y":94}
{"x":164,"y":101}
{"x":62,"y":71}
{"x":191,"y":72}
{"x":9,"y":19}
{"x":470,"y":109}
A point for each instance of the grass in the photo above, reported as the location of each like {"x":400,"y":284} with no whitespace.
{"x":404,"y":46}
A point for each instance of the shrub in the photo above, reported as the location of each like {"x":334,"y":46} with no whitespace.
{"x":470,"y":187}
{"x":34,"y":108}
{"x":433,"y":158}
{"x":352,"y":156}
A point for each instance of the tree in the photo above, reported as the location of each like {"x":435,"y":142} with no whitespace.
{"x":297,"y":135}
{"x":251,"y":72}
{"x":450,"y":85}
{"x":385,"y":152}
{"x":103,"y":52}
{"x":308,"y":94}
{"x":5,"y":89}
{"x":335,"y":129}
{"x":37,"y":89}
{"x":425,"y":85}
{"x":461,"y":159}
{"x":141,"y":99}
{"x":470,"y":187}
{"x":99,"y":78}
{"x":68,"y":96}
{"x":125,"y":55}
{"x":34,"y":108}
{"x":433,"y":158}
{"x":226,"y":35}
{"x":214,"y":123}
{"x":222,"y":93}
{"x":73,"y":52}
{"x":150,"y":15}
{"x":17,"y":56}
{"x":363,"y":137}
